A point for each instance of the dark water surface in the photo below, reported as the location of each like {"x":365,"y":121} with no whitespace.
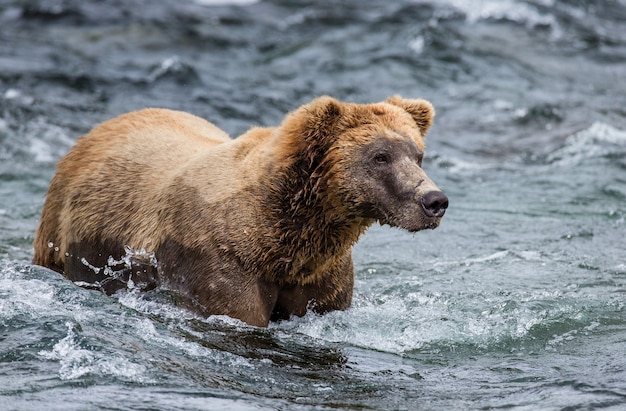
{"x":516,"y":302}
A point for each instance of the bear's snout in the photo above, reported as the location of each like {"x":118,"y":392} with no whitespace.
{"x":434,"y":203}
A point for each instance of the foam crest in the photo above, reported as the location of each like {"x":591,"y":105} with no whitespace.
{"x":47,"y":141}
{"x":502,"y":10}
{"x":386,"y":323}
{"x":76,"y":362}
{"x":599,"y":140}
{"x":24,"y":296}
{"x":175,"y":69}
{"x":499,"y":255}
{"x":459,"y":166}
{"x":52,"y":299}
{"x":226,"y":2}
{"x":147,"y":330}
{"x":154,"y":305}
{"x":137,"y":301}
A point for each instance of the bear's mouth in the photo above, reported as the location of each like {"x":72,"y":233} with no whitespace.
{"x":412,"y":224}
{"x":430,"y":225}
{"x":433,"y":225}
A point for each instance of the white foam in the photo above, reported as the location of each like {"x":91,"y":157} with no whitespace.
{"x":172,"y":64}
{"x":498,"y":255}
{"x":598,"y":140}
{"x":135,"y":300}
{"x":530,"y":255}
{"x":502,"y":9}
{"x":417,"y":44}
{"x":12,"y":94}
{"x":398,"y":322}
{"x":24,"y":297}
{"x":389,"y":324}
{"x":226,"y":2}
{"x":146,"y":330}
{"x":48,"y":142}
{"x":458,"y":166}
{"x":75,"y":362}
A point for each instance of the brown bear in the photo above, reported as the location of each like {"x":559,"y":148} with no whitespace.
{"x":257,"y":228}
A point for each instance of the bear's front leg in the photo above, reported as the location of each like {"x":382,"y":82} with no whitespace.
{"x":216,"y":282}
{"x":236,"y":296}
{"x":332,"y":291}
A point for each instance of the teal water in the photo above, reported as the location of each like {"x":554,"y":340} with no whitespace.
{"x":516,"y":302}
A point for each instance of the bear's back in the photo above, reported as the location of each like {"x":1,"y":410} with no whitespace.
{"x":114,"y":174}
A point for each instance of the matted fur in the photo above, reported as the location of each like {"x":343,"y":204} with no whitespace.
{"x":257,"y":228}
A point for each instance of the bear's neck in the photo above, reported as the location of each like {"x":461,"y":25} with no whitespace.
{"x":309,"y":231}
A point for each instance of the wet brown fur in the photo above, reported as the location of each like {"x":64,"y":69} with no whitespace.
{"x":258,"y":228}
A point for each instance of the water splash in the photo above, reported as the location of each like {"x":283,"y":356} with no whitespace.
{"x":95,"y":269}
{"x":119,"y":269}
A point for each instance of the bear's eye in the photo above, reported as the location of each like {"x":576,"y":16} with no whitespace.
{"x":382,"y":158}
{"x":420,"y":158}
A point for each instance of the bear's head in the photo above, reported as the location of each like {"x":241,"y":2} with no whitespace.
{"x":365,"y":161}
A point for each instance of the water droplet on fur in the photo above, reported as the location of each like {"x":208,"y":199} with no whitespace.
{"x":50,"y":244}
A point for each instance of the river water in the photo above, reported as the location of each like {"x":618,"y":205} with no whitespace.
{"x":516,"y":302}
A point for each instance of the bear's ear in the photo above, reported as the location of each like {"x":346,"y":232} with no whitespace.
{"x":309,"y":130}
{"x":421,"y":111}
{"x":321,"y":117}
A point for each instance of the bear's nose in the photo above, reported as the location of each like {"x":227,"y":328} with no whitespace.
{"x":434,"y":203}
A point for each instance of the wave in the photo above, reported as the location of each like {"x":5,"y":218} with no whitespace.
{"x":36,"y":297}
{"x":176,"y":70}
{"x":511,"y":10}
{"x":441,"y":312}
{"x":575,"y":25}
{"x":226,"y":2}
{"x":36,"y":140}
{"x":600,"y":140}
{"x":433,"y":323}
{"x":76,"y":361}
{"x":599,"y":143}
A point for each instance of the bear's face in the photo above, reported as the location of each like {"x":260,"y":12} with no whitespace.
{"x":389,"y":185}
{"x":365,"y":159}
{"x":378,"y":172}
